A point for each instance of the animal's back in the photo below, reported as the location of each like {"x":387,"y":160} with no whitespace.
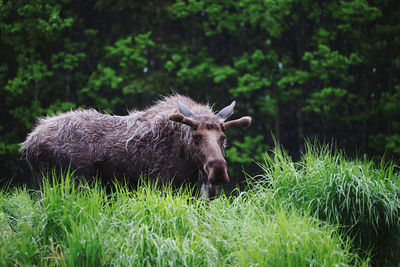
{"x":90,"y":143}
{"x":76,"y":139}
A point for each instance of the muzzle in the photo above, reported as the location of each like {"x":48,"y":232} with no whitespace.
{"x":216,"y":170}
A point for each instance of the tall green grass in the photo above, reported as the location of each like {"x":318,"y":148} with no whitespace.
{"x":362,"y":199}
{"x":69,"y":225}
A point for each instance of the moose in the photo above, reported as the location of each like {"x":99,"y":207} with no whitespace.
{"x":176,"y":140}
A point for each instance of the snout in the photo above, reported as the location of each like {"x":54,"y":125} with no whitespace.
{"x":216,"y":170}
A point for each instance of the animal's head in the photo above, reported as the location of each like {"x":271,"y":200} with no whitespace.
{"x":207,"y":139}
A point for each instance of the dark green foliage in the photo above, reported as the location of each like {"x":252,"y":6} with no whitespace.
{"x":326,"y":69}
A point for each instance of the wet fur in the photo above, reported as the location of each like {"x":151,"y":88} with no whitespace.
{"x":143,"y":142}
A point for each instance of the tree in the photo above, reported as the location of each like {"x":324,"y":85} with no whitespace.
{"x":316,"y":69}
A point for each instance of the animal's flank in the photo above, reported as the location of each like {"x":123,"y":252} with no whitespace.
{"x":157,"y":142}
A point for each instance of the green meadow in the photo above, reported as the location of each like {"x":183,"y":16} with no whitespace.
{"x":323,"y":210}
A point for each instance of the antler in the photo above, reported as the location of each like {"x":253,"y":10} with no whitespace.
{"x":183,"y":116}
{"x":179,"y":117}
{"x":243,"y":122}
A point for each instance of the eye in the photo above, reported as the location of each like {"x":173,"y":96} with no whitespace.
{"x":196,"y":137}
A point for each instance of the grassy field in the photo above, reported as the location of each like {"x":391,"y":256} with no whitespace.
{"x":320,"y":211}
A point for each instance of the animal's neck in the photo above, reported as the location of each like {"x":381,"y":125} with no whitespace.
{"x":207,"y":190}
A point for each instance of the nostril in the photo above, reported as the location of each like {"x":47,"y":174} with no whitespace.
{"x":216,"y":170}
{"x":215,"y":163}
{"x":210,"y":163}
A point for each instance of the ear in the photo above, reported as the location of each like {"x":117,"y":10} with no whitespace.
{"x":179,"y":117}
{"x":243,"y":122}
{"x":226,"y":111}
{"x":185,"y":110}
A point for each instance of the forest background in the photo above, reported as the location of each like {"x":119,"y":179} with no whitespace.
{"x":326,"y":70}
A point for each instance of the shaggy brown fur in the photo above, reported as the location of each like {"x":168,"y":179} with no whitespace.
{"x":145,"y":142}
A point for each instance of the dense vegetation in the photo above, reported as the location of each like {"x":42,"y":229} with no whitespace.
{"x":321,"y":211}
{"x":327,"y":69}
{"x":363,"y":200}
{"x":83,"y":227}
